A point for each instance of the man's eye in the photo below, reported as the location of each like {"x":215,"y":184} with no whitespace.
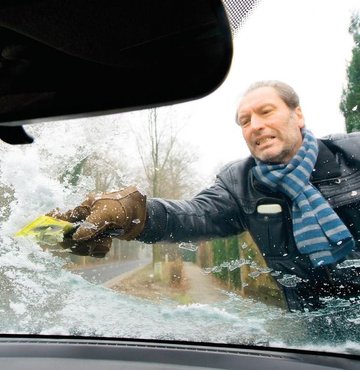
{"x":266,"y":111}
{"x":244,"y":122}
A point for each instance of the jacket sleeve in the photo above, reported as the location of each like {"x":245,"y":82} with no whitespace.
{"x":211,"y":213}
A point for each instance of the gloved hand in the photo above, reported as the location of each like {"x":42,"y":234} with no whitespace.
{"x":123,"y":211}
{"x":97,"y":247}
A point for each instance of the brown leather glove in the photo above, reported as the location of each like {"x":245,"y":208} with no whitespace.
{"x":122,"y":211}
{"x":97,"y":247}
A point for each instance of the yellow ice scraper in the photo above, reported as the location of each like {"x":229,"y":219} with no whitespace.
{"x":47,"y":229}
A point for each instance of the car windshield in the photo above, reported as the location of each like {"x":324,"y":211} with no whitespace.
{"x":225,"y":289}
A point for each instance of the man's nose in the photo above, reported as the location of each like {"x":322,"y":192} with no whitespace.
{"x":257,"y":122}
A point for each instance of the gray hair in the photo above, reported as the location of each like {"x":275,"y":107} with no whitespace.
{"x":285,"y":92}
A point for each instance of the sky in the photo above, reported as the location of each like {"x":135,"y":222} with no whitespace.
{"x":302,"y":42}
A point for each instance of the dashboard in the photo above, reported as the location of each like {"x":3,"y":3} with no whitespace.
{"x":56,"y":353}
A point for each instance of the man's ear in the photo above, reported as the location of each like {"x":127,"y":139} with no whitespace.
{"x":300,"y":117}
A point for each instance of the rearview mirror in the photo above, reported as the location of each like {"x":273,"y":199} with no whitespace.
{"x":70,"y":58}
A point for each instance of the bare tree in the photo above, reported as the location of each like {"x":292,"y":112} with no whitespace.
{"x":168,"y":171}
{"x":167,"y":164}
{"x":108,"y":175}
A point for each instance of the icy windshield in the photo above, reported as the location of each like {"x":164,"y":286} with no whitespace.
{"x":248,"y":282}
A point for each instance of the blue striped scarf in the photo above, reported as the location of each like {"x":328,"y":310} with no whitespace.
{"x":318,"y":231}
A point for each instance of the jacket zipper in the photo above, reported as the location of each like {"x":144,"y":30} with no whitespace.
{"x":336,"y":180}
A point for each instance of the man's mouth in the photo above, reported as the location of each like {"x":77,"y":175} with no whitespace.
{"x":264,"y":140}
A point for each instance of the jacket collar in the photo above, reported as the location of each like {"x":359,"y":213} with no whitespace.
{"x":326,"y":166}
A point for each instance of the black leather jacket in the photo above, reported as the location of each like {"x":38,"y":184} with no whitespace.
{"x":231,"y":206}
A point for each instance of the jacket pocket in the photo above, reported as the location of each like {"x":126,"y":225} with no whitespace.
{"x":270,"y":227}
{"x":342,"y":191}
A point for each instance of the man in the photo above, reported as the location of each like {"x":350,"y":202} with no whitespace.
{"x":298,"y":197}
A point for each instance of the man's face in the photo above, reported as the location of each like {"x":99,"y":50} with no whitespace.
{"x":270,"y":128}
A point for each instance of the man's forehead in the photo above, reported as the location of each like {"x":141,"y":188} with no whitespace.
{"x":258,"y":97}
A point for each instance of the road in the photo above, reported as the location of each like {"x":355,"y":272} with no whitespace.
{"x":99,"y":274}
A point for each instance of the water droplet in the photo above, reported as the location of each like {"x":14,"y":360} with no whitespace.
{"x":290,"y":281}
{"x":189,"y":246}
{"x":216,"y":269}
{"x":254,"y":274}
{"x":276,"y":273}
{"x":265,"y":270}
{"x":349,"y":263}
